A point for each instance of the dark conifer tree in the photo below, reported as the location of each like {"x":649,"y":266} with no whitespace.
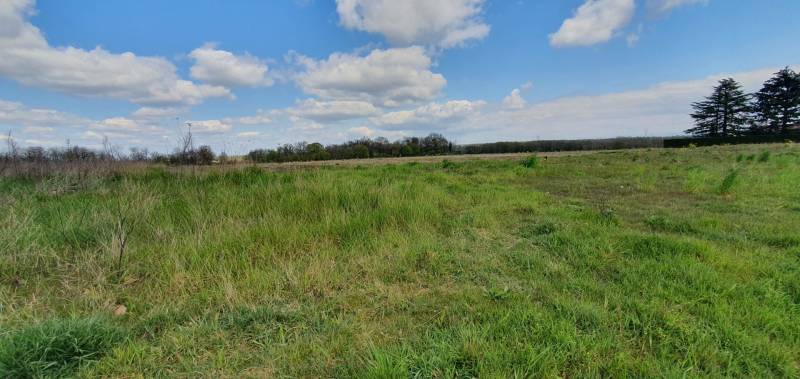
{"x":723,"y":113}
{"x":776,"y":106}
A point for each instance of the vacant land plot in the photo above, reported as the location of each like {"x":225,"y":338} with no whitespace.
{"x":642,"y":263}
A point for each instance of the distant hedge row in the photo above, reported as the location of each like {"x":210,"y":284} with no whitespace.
{"x":731,"y":140}
{"x":562,"y":145}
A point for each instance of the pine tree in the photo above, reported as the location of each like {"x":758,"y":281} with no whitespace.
{"x":777,"y":104}
{"x":723,"y":113}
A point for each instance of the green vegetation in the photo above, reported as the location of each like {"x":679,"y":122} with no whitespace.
{"x":56,"y":347}
{"x":611,"y":264}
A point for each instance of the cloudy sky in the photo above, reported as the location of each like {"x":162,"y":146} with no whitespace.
{"x":250,"y":74}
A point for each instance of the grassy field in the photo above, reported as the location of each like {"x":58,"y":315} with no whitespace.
{"x":673,"y":263}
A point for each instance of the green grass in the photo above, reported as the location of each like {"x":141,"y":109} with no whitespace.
{"x":56,"y":347}
{"x":638,"y":263}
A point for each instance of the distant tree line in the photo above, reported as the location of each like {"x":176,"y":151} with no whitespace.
{"x":562,"y":145}
{"x":380,"y":147}
{"x":186,"y":154}
{"x":729,"y":111}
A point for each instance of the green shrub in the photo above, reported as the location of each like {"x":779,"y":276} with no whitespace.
{"x":56,"y":348}
{"x":531,"y":162}
{"x":764,"y":156}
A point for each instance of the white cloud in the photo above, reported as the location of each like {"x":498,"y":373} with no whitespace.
{"x":331,"y":111}
{"x":666,"y":6}
{"x":261,"y":117}
{"x":390,"y":77}
{"x":248,"y":134}
{"x":431,"y":114}
{"x":16,"y":114}
{"x":223,"y":68}
{"x":304,"y":124}
{"x":363,"y":131}
{"x":38,"y":130}
{"x":151,"y":113}
{"x":210,"y":126}
{"x":596,"y":21}
{"x":514,"y":100}
{"x":443,"y":23}
{"x":27,"y":57}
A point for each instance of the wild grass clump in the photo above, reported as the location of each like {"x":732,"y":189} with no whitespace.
{"x":448,"y":165}
{"x":764,"y":156}
{"x":729,"y":181}
{"x":660,"y":223}
{"x":57,"y":347}
{"x":531,"y":162}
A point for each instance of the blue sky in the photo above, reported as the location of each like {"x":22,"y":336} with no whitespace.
{"x":250,"y":74}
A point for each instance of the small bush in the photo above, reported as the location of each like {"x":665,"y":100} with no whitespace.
{"x":531,"y":162}
{"x":729,"y":181}
{"x":764,"y":156}
{"x":56,"y":348}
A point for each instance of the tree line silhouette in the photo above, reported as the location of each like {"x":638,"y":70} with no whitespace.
{"x":730,"y":112}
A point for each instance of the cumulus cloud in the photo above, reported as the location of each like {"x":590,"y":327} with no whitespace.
{"x":439,"y":114}
{"x":17,"y":114}
{"x":152,"y":113}
{"x":304,"y":124}
{"x":596,"y":21}
{"x":209,"y":126}
{"x":442,"y":23}
{"x":514,"y":100}
{"x":364,"y":131}
{"x":27,"y":57}
{"x":223,"y":68}
{"x":261,"y":117}
{"x":331,"y":111}
{"x":391,"y":77}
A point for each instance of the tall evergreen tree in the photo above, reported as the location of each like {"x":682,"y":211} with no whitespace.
{"x":723,"y":113}
{"x":777,"y":104}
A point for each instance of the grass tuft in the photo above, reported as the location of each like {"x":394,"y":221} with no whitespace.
{"x":531,"y":162}
{"x":729,"y":181}
{"x":57,"y":347}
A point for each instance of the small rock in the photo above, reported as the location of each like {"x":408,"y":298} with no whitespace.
{"x":120,"y":310}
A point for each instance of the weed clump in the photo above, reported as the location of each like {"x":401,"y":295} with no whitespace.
{"x":57,"y":347}
{"x":729,"y":181}
{"x":531,"y":162}
{"x":659,"y":223}
{"x":448,"y":165}
{"x":764,"y":156}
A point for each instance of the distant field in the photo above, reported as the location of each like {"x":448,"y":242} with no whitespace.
{"x":423,"y":159}
{"x":643,"y":263}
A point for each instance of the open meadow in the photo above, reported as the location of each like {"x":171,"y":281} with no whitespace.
{"x":640,"y":263}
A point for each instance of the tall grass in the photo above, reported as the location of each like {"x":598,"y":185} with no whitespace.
{"x":470,"y":269}
{"x":56,"y":347}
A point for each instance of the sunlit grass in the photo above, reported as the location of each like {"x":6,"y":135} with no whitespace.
{"x":638,"y":263}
